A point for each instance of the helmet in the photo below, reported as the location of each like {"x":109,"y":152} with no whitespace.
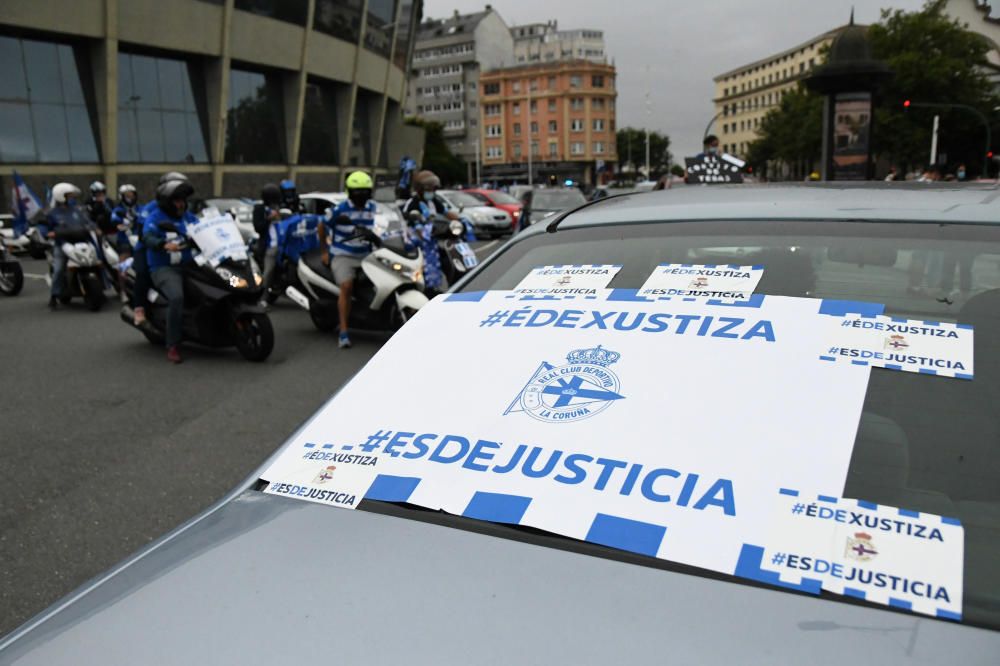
{"x":125,"y":189}
{"x":426,"y":180}
{"x":168,"y":192}
{"x":270,"y":195}
{"x":96,"y":187}
{"x":287,"y":184}
{"x":63,"y":190}
{"x":359,"y":188}
{"x":289,"y":196}
{"x":172,"y":175}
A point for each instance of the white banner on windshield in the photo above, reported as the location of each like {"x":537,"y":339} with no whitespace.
{"x":568,"y":282}
{"x":690,"y":281}
{"x":218,"y":238}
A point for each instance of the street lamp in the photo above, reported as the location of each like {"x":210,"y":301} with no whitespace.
{"x":971,"y":109}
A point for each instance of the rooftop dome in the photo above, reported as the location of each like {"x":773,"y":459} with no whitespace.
{"x":849,"y":65}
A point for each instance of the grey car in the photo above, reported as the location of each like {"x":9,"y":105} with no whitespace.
{"x":262,"y":579}
{"x":487,"y":221}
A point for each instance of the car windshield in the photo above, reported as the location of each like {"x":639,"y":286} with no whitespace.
{"x":556,"y":199}
{"x":461,"y":199}
{"x":503,"y":198}
{"x":927,"y":444}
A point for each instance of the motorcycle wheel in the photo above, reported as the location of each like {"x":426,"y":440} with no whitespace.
{"x":324,"y":319}
{"x":93,"y":292}
{"x":11,"y":279}
{"x":254,"y":336}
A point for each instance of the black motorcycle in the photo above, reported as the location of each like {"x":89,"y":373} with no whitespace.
{"x":221,"y":305}
{"x":456,"y":256}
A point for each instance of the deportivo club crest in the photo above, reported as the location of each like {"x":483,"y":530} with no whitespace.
{"x":896,"y":342}
{"x":578,"y":390}
{"x":699,"y":282}
{"x":325,"y":475}
{"x":860,"y":547}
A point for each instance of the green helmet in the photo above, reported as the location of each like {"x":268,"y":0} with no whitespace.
{"x":359,"y":180}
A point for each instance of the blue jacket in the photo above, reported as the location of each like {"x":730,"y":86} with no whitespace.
{"x":342,"y":232}
{"x":296,"y":235}
{"x":64,"y":217}
{"x":153,"y":237}
{"x":127,"y":216}
{"x":142,"y":212}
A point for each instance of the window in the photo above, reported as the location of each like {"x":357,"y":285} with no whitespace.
{"x":319,"y":124}
{"x":255,"y":124}
{"x":157,"y":117}
{"x":576,"y":125}
{"x":494,"y":152}
{"x":338,"y":18}
{"x":598,"y":147}
{"x":552,"y":106}
{"x":516,"y":148}
{"x":43,"y":116}
{"x":534,"y":149}
{"x":576,"y":104}
{"x":553,"y":127}
{"x":515,"y":86}
{"x":576,"y":148}
{"x":491,"y":88}
{"x":494,"y":130}
{"x":534,"y":127}
{"x":575,"y":81}
{"x":552,"y":83}
{"x":517,"y":129}
{"x":553,"y":149}
{"x":598,"y":124}
{"x":381,"y":24}
{"x":516,"y":109}
{"x":597,"y":104}
{"x":597,"y":81}
{"x":534,"y":107}
{"x":533,"y":84}
{"x":491,"y":109}
{"x":802,"y":67}
{"x":290,"y":11}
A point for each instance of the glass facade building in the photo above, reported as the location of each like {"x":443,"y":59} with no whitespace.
{"x":233,"y":93}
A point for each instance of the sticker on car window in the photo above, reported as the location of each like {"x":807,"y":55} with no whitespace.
{"x":565,"y":282}
{"x":325,"y":473}
{"x":882,"y":554}
{"x":693,"y":281}
{"x":908,"y":345}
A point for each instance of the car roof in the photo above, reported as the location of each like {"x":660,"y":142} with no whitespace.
{"x":914,"y":202}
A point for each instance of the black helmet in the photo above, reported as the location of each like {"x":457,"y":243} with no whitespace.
{"x":170,"y":190}
{"x":270,"y":194}
{"x":172,"y":175}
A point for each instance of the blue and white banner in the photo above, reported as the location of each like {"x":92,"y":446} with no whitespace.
{"x":908,"y":345}
{"x":887,"y":555}
{"x":565,"y":282}
{"x":218,"y":238}
{"x":24,"y":204}
{"x":691,"y":281}
{"x":661,"y":428}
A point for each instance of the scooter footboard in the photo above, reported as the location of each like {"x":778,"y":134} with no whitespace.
{"x":412,"y":299}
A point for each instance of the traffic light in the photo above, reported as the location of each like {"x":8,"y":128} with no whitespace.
{"x":906,"y":104}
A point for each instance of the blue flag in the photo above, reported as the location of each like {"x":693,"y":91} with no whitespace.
{"x":24,"y":204}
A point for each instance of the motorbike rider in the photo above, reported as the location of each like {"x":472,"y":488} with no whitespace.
{"x":124,"y":216}
{"x":347,"y":248}
{"x":139,"y":257}
{"x":427,"y":203}
{"x":64,"y":215}
{"x":266,"y":216}
{"x":99,"y":209}
{"x":166,"y":255}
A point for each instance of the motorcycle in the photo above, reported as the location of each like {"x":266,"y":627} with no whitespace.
{"x":84,"y":274}
{"x":386,"y":294}
{"x":22,"y":243}
{"x":222,"y":291}
{"x":457,"y":257}
{"x":11,"y":273}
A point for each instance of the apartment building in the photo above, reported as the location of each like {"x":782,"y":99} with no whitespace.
{"x":544,"y":42}
{"x":562,"y":112}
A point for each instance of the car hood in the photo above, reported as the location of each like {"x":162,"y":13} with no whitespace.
{"x":272,"y":580}
{"x":484,"y":210}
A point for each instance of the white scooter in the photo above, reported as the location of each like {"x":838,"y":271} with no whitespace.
{"x":11,"y":273}
{"x":84,"y":274}
{"x":387,"y":293}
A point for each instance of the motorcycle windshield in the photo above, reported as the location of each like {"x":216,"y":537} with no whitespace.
{"x":218,"y":238}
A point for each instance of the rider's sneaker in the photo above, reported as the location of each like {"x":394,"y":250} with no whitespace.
{"x":344,"y":341}
{"x":174,"y":354}
{"x":139,"y":316}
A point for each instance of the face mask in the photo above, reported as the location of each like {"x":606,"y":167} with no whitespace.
{"x":428,"y":196}
{"x":712,"y":150}
{"x":961,"y":174}
{"x":70,"y":202}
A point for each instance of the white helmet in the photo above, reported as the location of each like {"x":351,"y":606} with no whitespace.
{"x":125,"y":189}
{"x":63,"y":190}
{"x":97,"y":186}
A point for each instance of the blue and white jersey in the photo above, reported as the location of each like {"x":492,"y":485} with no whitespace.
{"x":341,"y":232}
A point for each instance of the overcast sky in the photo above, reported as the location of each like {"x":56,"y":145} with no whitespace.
{"x":683,"y":44}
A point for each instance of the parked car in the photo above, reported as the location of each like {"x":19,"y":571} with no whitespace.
{"x":386,"y":215}
{"x":259,"y":578}
{"x":486,"y":220}
{"x":544,"y":201}
{"x":500,"y":200}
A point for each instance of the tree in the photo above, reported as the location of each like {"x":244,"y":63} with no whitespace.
{"x":450,"y":168}
{"x":934,"y":59}
{"x":631,"y":142}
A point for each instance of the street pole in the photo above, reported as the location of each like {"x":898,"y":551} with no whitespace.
{"x":934,"y":137}
{"x":648,"y":120}
{"x":531,"y":176}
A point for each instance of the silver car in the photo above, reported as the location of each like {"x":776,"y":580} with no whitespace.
{"x":487,"y":221}
{"x":262,"y":579}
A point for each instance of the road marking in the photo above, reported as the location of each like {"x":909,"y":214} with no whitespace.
{"x":486,"y":247}
{"x":36,"y":276}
